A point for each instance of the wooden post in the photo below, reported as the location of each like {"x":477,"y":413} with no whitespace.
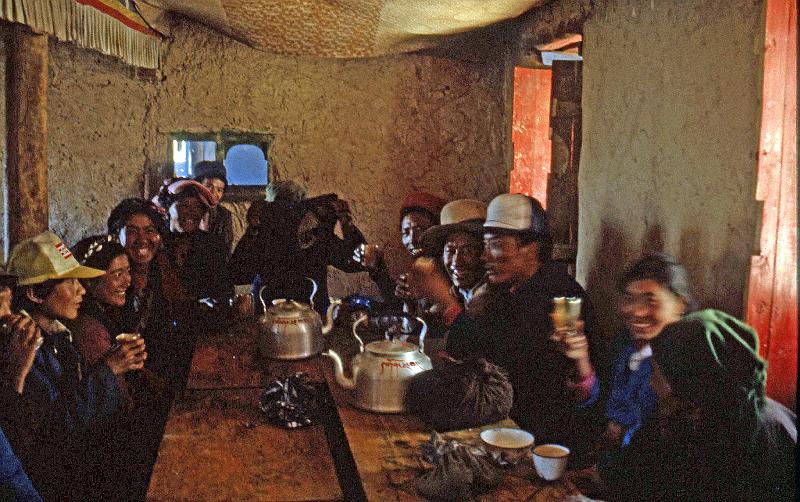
{"x":26,"y":133}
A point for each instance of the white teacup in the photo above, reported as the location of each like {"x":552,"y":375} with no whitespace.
{"x":550,"y":461}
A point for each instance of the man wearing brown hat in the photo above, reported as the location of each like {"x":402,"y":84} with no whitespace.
{"x":515,"y":330}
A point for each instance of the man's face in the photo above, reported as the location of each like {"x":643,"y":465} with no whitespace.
{"x":412,"y":227}
{"x":5,"y":301}
{"x":461,"y":257}
{"x":64,"y":300}
{"x":141,"y":239}
{"x":506,"y":260}
{"x":186,"y":214}
{"x":216,"y":186}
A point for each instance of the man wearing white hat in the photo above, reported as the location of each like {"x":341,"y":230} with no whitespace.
{"x":515,"y":330}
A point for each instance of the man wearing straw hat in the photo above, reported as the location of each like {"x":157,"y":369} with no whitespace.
{"x":458,"y":240}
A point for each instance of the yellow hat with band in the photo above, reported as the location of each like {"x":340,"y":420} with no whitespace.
{"x":45,"y":257}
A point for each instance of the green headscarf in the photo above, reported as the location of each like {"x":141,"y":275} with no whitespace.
{"x":711,"y":359}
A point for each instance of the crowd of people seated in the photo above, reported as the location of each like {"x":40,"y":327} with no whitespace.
{"x":97,"y":338}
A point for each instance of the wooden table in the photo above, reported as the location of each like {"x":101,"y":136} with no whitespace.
{"x":217,"y":445}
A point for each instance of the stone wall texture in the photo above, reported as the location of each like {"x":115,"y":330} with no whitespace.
{"x":671,"y":106}
{"x":370,"y":130}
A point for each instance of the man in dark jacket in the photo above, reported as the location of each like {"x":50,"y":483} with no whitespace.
{"x":554,"y":393}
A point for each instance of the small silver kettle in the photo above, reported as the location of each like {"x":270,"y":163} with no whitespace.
{"x":291,"y":330}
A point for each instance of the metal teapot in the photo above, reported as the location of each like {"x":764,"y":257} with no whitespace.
{"x":382,"y":370}
{"x":290,"y":330}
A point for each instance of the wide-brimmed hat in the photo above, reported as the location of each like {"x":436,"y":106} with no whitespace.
{"x":463,"y":215}
{"x":45,"y":257}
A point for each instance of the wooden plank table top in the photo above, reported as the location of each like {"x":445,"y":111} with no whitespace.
{"x":218,"y":447}
{"x":387,"y":453}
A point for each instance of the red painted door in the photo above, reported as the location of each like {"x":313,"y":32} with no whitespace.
{"x":772,"y":292}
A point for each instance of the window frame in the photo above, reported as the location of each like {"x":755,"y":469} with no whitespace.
{"x":225,"y":139}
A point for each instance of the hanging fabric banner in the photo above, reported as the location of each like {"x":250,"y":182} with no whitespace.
{"x":109,"y":26}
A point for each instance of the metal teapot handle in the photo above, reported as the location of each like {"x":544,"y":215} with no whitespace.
{"x":422,"y":334}
{"x":361,"y":318}
{"x":313,"y":291}
{"x":261,"y":297}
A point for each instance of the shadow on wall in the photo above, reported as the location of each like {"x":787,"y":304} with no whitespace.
{"x":609,"y":260}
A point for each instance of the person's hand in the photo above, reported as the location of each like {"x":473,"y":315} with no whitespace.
{"x":425,"y":279}
{"x":573,"y":344}
{"x":370,"y":256}
{"x":342,"y":209}
{"x":612,"y":437}
{"x":128,"y":356}
{"x":24,"y":339}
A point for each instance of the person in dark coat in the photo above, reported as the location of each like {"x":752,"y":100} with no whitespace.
{"x":717,"y":436}
{"x":213,"y":175}
{"x":553,"y":391}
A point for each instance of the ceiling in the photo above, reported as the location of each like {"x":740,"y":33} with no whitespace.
{"x":338,"y":28}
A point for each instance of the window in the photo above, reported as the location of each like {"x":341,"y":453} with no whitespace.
{"x":245,"y":155}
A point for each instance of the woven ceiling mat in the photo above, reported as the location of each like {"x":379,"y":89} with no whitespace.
{"x":339,"y":28}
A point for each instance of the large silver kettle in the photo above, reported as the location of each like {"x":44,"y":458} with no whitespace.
{"x":382,"y":370}
{"x":291,"y":330}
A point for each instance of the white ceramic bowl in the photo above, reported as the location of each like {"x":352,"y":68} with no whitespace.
{"x":507,"y":438}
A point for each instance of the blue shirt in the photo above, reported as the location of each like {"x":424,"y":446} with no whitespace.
{"x":631,"y":400}
{"x":14,"y":483}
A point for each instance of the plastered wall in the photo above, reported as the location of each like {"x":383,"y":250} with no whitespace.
{"x":370,"y":130}
{"x":670,"y":135}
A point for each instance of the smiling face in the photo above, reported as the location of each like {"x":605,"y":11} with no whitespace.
{"x":461,"y":256}
{"x":508,"y":260}
{"x":141,"y":239}
{"x":646,"y":307}
{"x":216,"y":186}
{"x":186,"y":215}
{"x":64,"y":300}
{"x":111,"y":288}
{"x":412,"y":226}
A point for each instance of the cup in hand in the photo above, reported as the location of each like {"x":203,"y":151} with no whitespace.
{"x":566,"y":312}
{"x":127,"y":337}
{"x":243,"y":299}
{"x":550,"y":461}
{"x":370,"y":255}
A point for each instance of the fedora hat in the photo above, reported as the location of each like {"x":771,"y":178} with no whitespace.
{"x":462,"y":215}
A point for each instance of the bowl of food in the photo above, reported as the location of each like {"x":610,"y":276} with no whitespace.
{"x":507,"y":445}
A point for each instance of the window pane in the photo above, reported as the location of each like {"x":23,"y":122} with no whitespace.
{"x":246,"y":165}
{"x":185,"y":154}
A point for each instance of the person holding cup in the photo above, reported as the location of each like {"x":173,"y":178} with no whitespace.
{"x":63,"y":400}
{"x":100,"y":319}
{"x":514,"y":328}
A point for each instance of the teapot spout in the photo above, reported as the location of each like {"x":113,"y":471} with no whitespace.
{"x":333,"y":310}
{"x":343,"y":381}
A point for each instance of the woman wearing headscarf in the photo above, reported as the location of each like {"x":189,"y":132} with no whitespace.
{"x":198,"y":256}
{"x":717,"y":435}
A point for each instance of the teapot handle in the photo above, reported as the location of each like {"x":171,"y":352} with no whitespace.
{"x":313,"y":291}
{"x":261,"y":297}
{"x":361,"y":318}
{"x":422,"y":333}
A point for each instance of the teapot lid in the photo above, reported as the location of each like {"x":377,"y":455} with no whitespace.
{"x":289,"y":309}
{"x":391,"y":347}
